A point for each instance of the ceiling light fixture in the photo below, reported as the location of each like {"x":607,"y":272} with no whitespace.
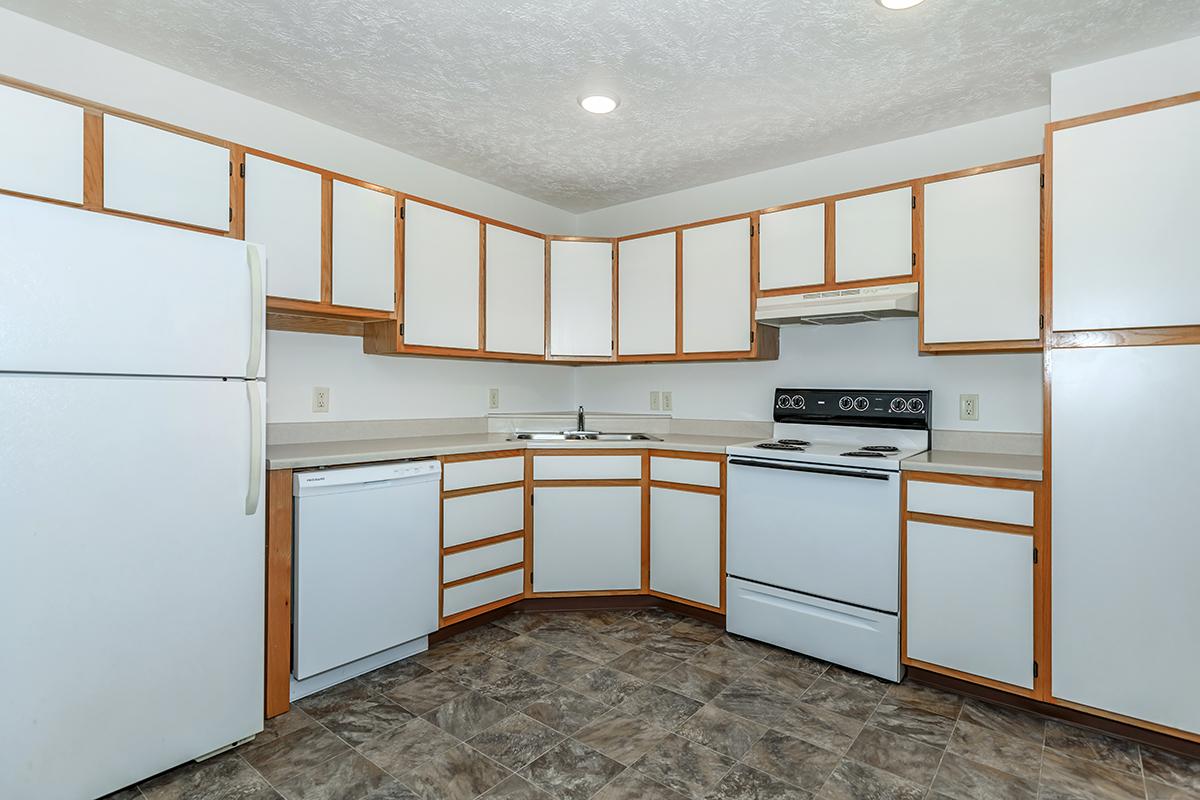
{"x":599,"y":103}
{"x":899,"y":5}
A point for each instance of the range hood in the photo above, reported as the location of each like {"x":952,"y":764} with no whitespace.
{"x":839,"y":306}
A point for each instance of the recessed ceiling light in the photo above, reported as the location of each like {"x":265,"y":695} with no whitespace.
{"x":899,"y":5}
{"x":598,"y":103}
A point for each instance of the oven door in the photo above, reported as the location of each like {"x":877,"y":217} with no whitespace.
{"x":828,"y":531}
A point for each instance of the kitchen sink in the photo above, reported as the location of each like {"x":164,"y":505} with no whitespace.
{"x":583,"y":436}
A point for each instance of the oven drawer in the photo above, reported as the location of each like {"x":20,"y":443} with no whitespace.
{"x":858,"y":638}
{"x":988,"y":503}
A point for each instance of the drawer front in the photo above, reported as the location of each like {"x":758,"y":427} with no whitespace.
{"x":1012,"y":506}
{"x":484,"y":472}
{"x":685,"y":470}
{"x":479,"y":593}
{"x":482,"y":559}
{"x":478,"y":516}
{"x":560,"y":468}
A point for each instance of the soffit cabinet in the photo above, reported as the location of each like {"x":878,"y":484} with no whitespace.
{"x":41,"y":146}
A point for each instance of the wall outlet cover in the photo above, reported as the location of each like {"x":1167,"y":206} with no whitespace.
{"x":493,"y":398}
{"x":666,"y":401}
{"x":968,"y":407}
{"x":655,"y":401}
{"x":320,"y":399}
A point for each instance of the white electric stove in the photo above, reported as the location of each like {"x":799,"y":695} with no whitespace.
{"x":813,"y":525}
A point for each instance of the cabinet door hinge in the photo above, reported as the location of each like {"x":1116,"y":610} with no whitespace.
{"x":914,"y":259}
{"x":1043,"y":180}
{"x":531,"y":503}
{"x":1041,"y":321}
{"x":231,"y":169}
{"x":1035,"y":555}
{"x":401,"y":328}
{"x":752,"y":229}
{"x":1035,"y":669}
{"x":751,"y":336}
{"x":401,"y":211}
{"x":914,"y":202}
{"x":231,"y":213}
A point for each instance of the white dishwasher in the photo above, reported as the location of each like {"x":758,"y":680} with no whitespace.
{"x":365,"y":568}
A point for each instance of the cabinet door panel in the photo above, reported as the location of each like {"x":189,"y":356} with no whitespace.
{"x":164,"y":175}
{"x":1126,"y":201}
{"x":364,"y":247}
{"x":982,"y":269}
{"x":873,"y":234}
{"x":581,"y":293}
{"x":283,"y":212}
{"x":685,"y":545}
{"x":716,"y":287}
{"x":646,"y":295}
{"x":516,"y":292}
{"x":792,"y":247}
{"x":587,"y":538}
{"x":41,"y":146}
{"x":441,"y":277}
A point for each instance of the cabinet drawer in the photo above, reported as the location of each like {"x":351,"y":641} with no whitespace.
{"x":479,"y":593}
{"x":472,"y":562}
{"x":685,"y":470}
{"x":484,"y":472}
{"x":478,"y":516}
{"x":557,"y":468}
{"x":988,"y":503}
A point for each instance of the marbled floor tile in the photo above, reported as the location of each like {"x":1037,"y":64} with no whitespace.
{"x":681,"y":764}
{"x":727,"y":663}
{"x":899,"y":755}
{"x":629,"y":630}
{"x":1004,"y":719}
{"x":346,"y":776}
{"x":565,"y":711}
{"x":468,"y":714}
{"x":443,"y":655}
{"x":849,"y":701}
{"x":854,"y":781}
{"x":620,"y":737}
{"x":1171,"y":768}
{"x":677,"y":644}
{"x":515,"y":787}
{"x":699,"y":628}
{"x":524,"y":621}
{"x":744,"y":783}
{"x":387,"y":678}
{"x":460,"y":773}
{"x":753,"y":703}
{"x":224,"y":776}
{"x":926,"y":698}
{"x":693,"y":681}
{"x":598,"y":619}
{"x":520,"y":688}
{"x":1067,"y":777}
{"x":571,"y":771}
{"x":1093,"y":746}
{"x":1161,"y":791}
{"x":722,"y":731}
{"x":819,"y":726}
{"x":960,"y":779}
{"x":561,"y":666}
{"x":657,"y":616}
{"x":785,"y":680}
{"x":793,"y":760}
{"x":859,"y":680}
{"x":392,"y":791}
{"x":924,"y":726}
{"x":659,"y":706}
{"x":515,"y":741}
{"x":334,"y":698}
{"x":129,"y":793}
{"x":1020,"y":757}
{"x":294,"y":753}
{"x":633,"y":785}
{"x":585,"y":643}
{"x":481,"y":636}
{"x":798,"y":661}
{"x":479,"y":670}
{"x":607,"y":685}
{"x":748,"y":647}
{"x":645,"y":664}
{"x":407,"y":747}
{"x":357,"y":719}
{"x":426,"y":693}
{"x":277,"y":727}
{"x":520,"y":650}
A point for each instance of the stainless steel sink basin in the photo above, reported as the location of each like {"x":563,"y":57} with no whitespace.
{"x":583,"y":436}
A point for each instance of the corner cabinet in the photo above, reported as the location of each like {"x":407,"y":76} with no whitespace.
{"x":581,"y":299}
{"x":41,"y":146}
{"x":284,"y":207}
{"x":443,"y":262}
{"x":717,"y":314}
{"x":646,"y":281}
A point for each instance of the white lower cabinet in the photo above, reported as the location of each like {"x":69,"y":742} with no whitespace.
{"x":587,"y":538}
{"x":685,"y":545}
{"x":969,"y":601}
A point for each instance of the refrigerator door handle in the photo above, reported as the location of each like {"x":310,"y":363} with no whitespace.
{"x":254,"y":260}
{"x":256,"y":454}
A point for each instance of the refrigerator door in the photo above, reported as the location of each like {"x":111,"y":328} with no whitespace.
{"x":92,"y":293}
{"x":131,"y":581}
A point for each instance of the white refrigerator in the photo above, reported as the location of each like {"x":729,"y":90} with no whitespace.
{"x":131,"y":498}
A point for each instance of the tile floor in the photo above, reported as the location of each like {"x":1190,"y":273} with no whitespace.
{"x":633,"y":705}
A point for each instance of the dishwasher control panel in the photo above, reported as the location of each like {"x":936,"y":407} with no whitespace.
{"x":343,"y":476}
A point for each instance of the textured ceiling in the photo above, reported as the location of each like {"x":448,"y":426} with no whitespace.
{"x":709,"y":89}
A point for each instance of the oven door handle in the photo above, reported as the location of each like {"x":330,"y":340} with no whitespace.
{"x":872,"y":476}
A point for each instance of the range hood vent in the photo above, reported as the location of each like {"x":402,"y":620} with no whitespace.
{"x":839,"y":306}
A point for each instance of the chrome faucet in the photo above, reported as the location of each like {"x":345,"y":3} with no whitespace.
{"x":579,"y":419}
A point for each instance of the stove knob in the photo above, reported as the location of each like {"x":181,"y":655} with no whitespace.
{"x":846,"y":403}
{"x":898,"y":405}
{"x":798,"y":401}
{"x":916,"y":405}
{"x":784,"y":401}
{"x":861,"y":404}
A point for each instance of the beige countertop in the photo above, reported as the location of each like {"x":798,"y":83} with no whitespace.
{"x":988,"y":465}
{"x":358,"y":451}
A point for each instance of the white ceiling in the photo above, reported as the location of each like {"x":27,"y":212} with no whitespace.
{"x":709,"y":89}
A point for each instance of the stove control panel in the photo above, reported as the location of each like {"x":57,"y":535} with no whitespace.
{"x":863,"y":407}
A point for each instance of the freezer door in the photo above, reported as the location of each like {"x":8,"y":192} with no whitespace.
{"x":131,"y":581}
{"x":94,"y":293}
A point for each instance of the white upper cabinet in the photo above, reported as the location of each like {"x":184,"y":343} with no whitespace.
{"x":982,"y":268}
{"x":791,"y":250}
{"x":283,"y":212}
{"x":716,"y":287}
{"x":157,"y":173}
{"x":1126,"y":196}
{"x":41,"y":146}
{"x":441,"y":277}
{"x":581,"y":294}
{"x":515,"y":310}
{"x":646,"y":295}
{"x":874,"y":235}
{"x":364,"y":247}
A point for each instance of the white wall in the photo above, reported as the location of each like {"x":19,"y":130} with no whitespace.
{"x":1139,"y":77}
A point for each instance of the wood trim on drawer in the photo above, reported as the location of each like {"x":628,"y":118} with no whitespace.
{"x":687,"y":487}
{"x":967,"y":676}
{"x":489,"y":487}
{"x":481,"y":575}
{"x":972,"y":480}
{"x":474,"y":612}
{"x":975,"y":524}
{"x":456,"y":457}
{"x":688,"y":454}
{"x":685,"y":601}
{"x":544,"y":484}
{"x":478,"y":543}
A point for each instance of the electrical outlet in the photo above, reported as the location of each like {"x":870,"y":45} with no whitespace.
{"x":654,"y":401}
{"x":320,"y":399}
{"x":666,"y":401}
{"x":493,"y":398}
{"x":968,"y":407}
